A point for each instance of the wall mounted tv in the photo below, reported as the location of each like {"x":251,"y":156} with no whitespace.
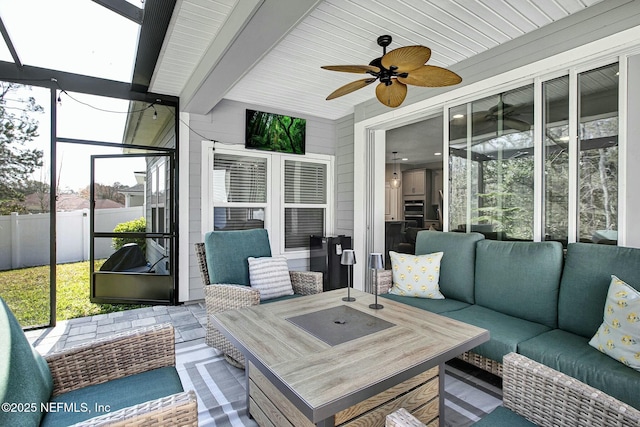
{"x":275,"y":132}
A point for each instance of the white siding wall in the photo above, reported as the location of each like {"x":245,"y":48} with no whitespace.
{"x":226,"y":124}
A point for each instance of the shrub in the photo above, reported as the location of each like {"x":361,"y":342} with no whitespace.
{"x":134,"y":226}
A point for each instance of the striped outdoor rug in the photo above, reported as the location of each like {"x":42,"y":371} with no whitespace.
{"x":222,"y":400}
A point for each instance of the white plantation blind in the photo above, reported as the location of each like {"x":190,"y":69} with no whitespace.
{"x":305,"y":182}
{"x":239,"y":179}
{"x":305,"y":186}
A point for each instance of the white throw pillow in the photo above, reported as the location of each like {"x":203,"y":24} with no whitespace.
{"x":270,"y":276}
{"x":416,"y":275}
{"x":619,"y":334}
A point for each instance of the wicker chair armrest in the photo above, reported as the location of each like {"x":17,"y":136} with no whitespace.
{"x":221,"y":297}
{"x":547,"y":397}
{"x":306,"y":282}
{"x":180,"y":409}
{"x":385,"y":281}
{"x":117,"y":356}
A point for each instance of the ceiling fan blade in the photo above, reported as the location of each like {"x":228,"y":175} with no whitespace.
{"x":361,"y":69}
{"x":406,"y":59}
{"x":516,"y":124}
{"x":431,"y":76}
{"x":392,"y":95}
{"x":350,"y":87}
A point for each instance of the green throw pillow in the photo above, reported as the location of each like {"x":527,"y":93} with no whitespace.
{"x":416,"y":275}
{"x":619,"y":334}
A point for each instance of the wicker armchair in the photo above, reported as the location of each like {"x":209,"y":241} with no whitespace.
{"x":547,"y":397}
{"x":129,"y":353}
{"x":222,"y":297}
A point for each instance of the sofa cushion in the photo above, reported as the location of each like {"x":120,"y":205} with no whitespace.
{"x":270,"y":276}
{"x":114,"y":395}
{"x":585,"y":282}
{"x":503,"y":417}
{"x":571,"y":354}
{"x":432,"y":305}
{"x":458,"y":262}
{"x":619,"y":334}
{"x":24,"y":374}
{"x":227,"y":253}
{"x":506,"y":331}
{"x":520,"y":279}
{"x":416,"y":275}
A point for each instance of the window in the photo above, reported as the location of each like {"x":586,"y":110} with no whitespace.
{"x":492,"y":177}
{"x":556,"y":159}
{"x":158,"y":198}
{"x":289,"y":195}
{"x":305,"y":202}
{"x":239,"y":191}
{"x":491,"y":164}
{"x":598,"y":155}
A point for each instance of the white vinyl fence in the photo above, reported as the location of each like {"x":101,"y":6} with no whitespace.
{"x":24,"y":239}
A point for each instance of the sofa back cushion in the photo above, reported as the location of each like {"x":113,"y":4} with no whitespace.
{"x":520,"y":279}
{"x":24,"y":374}
{"x":458,"y":260}
{"x":585,"y":282}
{"x":227,"y":253}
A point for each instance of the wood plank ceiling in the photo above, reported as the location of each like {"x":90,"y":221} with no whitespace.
{"x":289,"y":77}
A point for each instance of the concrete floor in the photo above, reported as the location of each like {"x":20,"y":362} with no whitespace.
{"x":189,"y":321}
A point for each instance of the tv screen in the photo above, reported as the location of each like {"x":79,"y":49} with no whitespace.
{"x":275,"y":132}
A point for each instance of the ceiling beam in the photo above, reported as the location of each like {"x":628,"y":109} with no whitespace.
{"x":231,"y":56}
{"x":10,"y":46}
{"x":70,"y":82}
{"x":157,"y":15}
{"x":123,"y":8}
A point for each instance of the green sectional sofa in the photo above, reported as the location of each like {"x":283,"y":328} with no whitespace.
{"x":534,"y":300}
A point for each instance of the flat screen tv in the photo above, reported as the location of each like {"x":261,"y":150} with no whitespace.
{"x":275,"y":132}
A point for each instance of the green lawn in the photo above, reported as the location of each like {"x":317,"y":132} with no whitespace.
{"x":26,"y":291}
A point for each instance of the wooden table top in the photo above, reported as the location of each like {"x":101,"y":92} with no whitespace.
{"x":321,"y":379}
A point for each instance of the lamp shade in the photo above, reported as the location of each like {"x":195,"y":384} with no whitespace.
{"x":348,"y":257}
{"x":375,"y":261}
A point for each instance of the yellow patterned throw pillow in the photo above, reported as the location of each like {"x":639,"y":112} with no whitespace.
{"x":619,"y":334}
{"x":416,"y":275}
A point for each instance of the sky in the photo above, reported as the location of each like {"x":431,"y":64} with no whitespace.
{"x":82,"y":37}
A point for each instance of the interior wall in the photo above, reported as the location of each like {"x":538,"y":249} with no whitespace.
{"x":226,"y":124}
{"x":632,"y":197}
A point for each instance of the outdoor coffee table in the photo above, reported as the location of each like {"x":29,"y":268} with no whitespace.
{"x":318,"y":360}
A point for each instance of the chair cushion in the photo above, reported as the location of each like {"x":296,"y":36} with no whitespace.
{"x":227,"y":253}
{"x":571,"y":354}
{"x":503,"y":417}
{"x":416,"y":275}
{"x":270,"y":276}
{"x":520,"y":279}
{"x":24,"y":374}
{"x":585,"y":282}
{"x":506,"y":331}
{"x":432,"y":305}
{"x":458,"y":262}
{"x":114,"y":395}
{"x":619,"y":334}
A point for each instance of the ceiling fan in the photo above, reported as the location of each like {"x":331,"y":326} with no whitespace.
{"x":506,"y":113}
{"x":395,"y":70}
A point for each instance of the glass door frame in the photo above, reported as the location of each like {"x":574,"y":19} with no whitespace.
{"x":146,"y":287}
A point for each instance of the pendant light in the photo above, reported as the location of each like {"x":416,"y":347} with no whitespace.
{"x":395,"y":179}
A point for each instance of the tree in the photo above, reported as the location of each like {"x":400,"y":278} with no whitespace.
{"x":18,"y":161}
{"x":106,"y":192}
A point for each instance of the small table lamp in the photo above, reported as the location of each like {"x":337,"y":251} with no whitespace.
{"x":376,"y":263}
{"x":348,"y":258}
